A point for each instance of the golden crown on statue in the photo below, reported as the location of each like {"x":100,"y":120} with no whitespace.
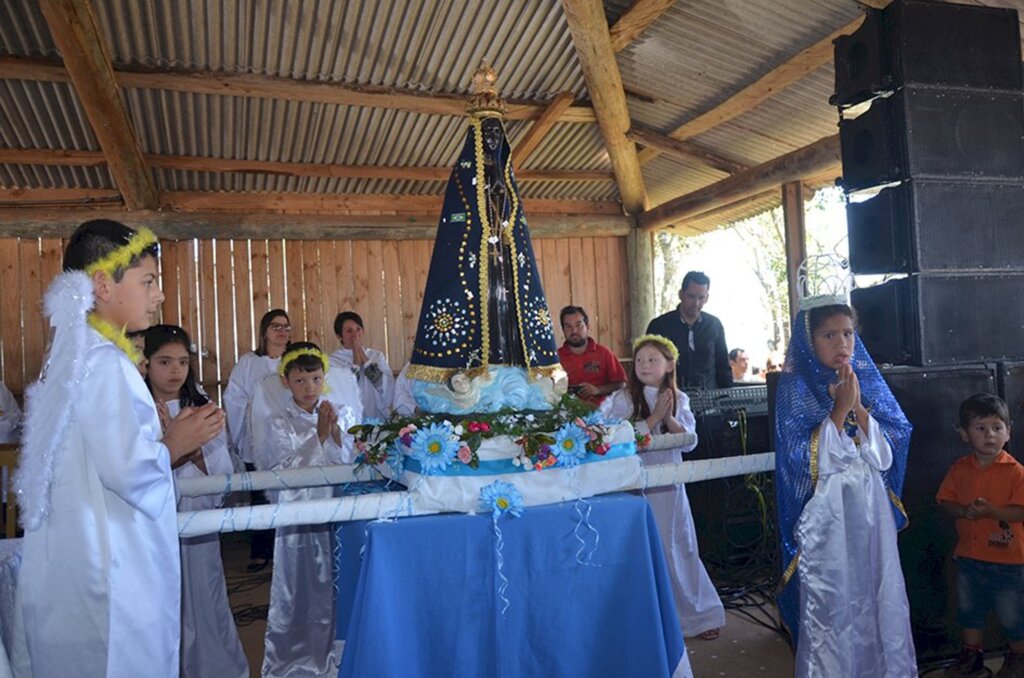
{"x":824,"y":280}
{"x":484,"y":101}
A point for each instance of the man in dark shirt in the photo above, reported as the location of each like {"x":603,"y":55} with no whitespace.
{"x":700,"y":337}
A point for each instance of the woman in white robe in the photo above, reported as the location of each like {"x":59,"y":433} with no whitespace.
{"x":376,"y":382}
{"x":842,"y":446}
{"x":210,"y":645}
{"x":697,"y":602}
{"x":251,"y":368}
{"x":10,"y":418}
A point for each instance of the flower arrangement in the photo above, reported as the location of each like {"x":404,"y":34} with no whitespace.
{"x":563,"y":435}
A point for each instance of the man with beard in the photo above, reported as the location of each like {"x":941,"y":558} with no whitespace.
{"x":593,"y":370}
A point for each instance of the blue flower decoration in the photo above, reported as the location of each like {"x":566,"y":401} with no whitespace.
{"x":570,"y":445}
{"x":434,"y":448}
{"x":372,"y":421}
{"x":396,"y":460}
{"x":501,"y":497}
{"x":595,"y":418}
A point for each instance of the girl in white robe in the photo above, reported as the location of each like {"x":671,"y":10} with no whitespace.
{"x":376,"y":382}
{"x":655,"y":406}
{"x":300,"y":638}
{"x":841,"y":454}
{"x":210,"y":645}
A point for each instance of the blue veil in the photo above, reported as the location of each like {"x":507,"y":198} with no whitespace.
{"x":802,"y":404}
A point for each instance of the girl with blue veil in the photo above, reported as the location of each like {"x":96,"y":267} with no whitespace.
{"x":840,"y":460}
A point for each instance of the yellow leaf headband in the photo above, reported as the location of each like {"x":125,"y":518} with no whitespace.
{"x":658,"y":339}
{"x":290,"y":357}
{"x":121,"y":258}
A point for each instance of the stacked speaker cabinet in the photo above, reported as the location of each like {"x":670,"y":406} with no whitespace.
{"x":932,"y":142}
{"x":939,"y":145}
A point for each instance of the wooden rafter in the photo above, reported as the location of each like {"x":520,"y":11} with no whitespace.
{"x":687,"y":150}
{"x":590,"y":36}
{"x":814,"y":159}
{"x":287,"y":203}
{"x":59,"y":223}
{"x":635,"y":20}
{"x":540,"y":128}
{"x":250,"y":85}
{"x":65,"y":158}
{"x":771,"y":83}
{"x":77,"y":36}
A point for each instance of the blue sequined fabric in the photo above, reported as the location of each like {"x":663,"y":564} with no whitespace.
{"x":802,"y":403}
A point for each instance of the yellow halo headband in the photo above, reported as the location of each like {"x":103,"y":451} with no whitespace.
{"x":121,"y":258}
{"x":290,"y":356}
{"x":658,"y":339}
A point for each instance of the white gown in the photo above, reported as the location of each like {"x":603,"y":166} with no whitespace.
{"x":100,"y":584}
{"x":246,"y":374}
{"x":699,"y":607}
{"x":854,"y":619}
{"x":209,"y":638}
{"x":300,"y":638}
{"x":404,"y":402}
{"x":376,"y":398}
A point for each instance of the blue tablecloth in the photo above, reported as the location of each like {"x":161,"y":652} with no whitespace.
{"x":423,"y":601}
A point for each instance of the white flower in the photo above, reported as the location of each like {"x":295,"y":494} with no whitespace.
{"x":527,"y":464}
{"x":530,"y":417}
{"x":459,"y":430}
{"x":517,"y":461}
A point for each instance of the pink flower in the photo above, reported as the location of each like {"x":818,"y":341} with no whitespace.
{"x":465,"y":454}
{"x":406,"y":430}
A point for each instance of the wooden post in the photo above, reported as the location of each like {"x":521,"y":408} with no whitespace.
{"x":640,"y":272}
{"x":796,"y":238}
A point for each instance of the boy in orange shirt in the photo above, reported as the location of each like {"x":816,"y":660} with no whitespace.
{"x":985,"y":492}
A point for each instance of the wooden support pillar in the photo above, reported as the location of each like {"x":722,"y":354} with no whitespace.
{"x":796,"y":238}
{"x":640,"y":274}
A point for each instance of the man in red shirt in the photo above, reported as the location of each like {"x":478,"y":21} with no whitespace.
{"x":593,"y":370}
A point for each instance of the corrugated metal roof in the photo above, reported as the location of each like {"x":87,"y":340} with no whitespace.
{"x":693,"y":57}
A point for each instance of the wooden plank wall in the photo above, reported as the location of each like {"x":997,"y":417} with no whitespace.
{"x":218,"y":290}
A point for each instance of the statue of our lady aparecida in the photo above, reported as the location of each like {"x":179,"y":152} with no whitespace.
{"x":484,"y":340}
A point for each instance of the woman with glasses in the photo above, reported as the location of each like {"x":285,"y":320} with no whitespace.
{"x":251,"y":369}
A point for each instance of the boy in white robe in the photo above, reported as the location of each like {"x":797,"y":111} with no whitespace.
{"x":300,"y":638}
{"x":99,"y":590}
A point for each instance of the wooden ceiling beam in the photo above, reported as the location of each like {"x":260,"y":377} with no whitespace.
{"x":251,"y":85}
{"x":817,"y":158}
{"x":635,"y":20}
{"x":66,"y":158}
{"x":686,"y":150}
{"x":287,"y":203}
{"x":771,"y":83}
{"x":77,"y":36}
{"x":592,"y":41}
{"x":60,"y":223}
{"x":540,"y":128}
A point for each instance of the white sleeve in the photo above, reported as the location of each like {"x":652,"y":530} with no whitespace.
{"x":121,"y":432}
{"x":269,"y":400}
{"x":836,"y":451}
{"x":236,"y":403}
{"x":10,"y":417}
{"x":379,"y":395}
{"x":874,"y":448}
{"x":404,"y":402}
{"x":617,"y":405}
{"x":294,"y":444}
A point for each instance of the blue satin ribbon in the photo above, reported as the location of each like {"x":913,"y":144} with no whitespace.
{"x":502,"y":466}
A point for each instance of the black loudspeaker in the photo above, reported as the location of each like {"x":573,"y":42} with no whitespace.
{"x":922,"y":225}
{"x":733,"y":517}
{"x":931,"y":397}
{"x":936,"y":43}
{"x":934,"y":319}
{"x":924,"y":132}
{"x":1011,"y":389}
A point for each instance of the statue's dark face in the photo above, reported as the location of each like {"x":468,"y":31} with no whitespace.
{"x":492,"y":133}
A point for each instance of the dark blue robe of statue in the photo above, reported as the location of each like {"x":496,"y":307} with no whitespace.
{"x":483,"y":304}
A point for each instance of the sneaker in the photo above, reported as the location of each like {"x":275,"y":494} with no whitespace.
{"x":1013,"y":667}
{"x":969,"y":664}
